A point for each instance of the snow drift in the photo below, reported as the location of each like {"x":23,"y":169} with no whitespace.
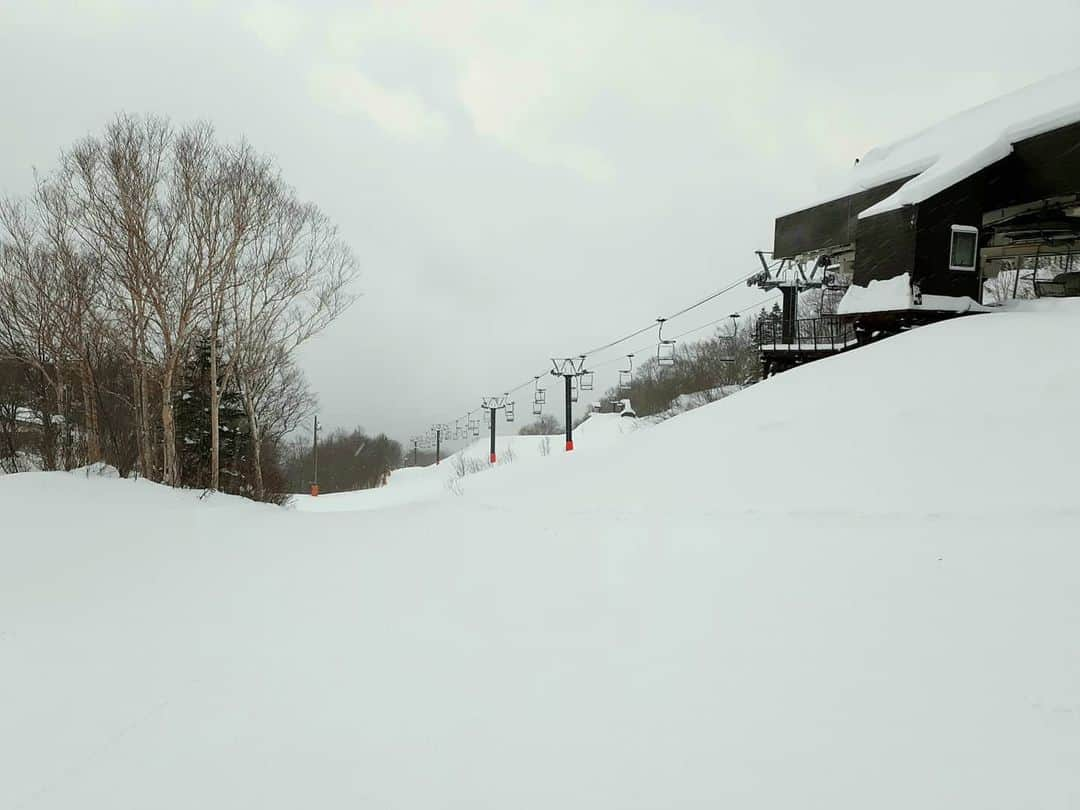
{"x":854,"y":585}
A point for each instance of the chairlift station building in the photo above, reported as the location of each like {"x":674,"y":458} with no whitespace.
{"x":916,"y":228}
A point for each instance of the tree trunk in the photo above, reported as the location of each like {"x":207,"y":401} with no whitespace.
{"x":215,"y":418}
{"x":152,"y":471}
{"x":140,"y":400}
{"x":169,"y":472}
{"x":256,"y":444}
{"x":66,"y":434}
{"x":93,"y":425}
{"x":45,"y":393}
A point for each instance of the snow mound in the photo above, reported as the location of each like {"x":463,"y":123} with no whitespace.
{"x":897,"y":293}
{"x":877,"y":296}
{"x":855,"y":584}
{"x":940,"y":419}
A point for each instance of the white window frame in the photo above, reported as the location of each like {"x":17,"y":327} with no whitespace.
{"x":975,"y":259}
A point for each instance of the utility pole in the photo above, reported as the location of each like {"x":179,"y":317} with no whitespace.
{"x":315,"y":458}
{"x":570,"y":370}
{"x":494,"y":404}
{"x":438,"y":443}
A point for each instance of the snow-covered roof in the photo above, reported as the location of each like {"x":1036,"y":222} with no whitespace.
{"x":962,"y":145}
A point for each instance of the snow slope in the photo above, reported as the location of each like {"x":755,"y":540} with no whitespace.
{"x":963,"y":144}
{"x":854,"y":585}
{"x":414,"y":484}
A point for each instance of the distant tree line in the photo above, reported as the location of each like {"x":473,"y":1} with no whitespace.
{"x":348,"y":460}
{"x":545,"y":425}
{"x":729,"y":357}
{"x":154,"y":289}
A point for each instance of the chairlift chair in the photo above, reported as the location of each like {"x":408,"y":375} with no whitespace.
{"x":626,"y":375}
{"x":509,"y":411}
{"x":587,"y":378}
{"x":539,"y":394}
{"x":665,"y":349}
{"x":573,"y":389}
{"x":538,"y":408}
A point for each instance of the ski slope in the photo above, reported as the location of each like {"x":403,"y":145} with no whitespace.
{"x":854,"y":585}
{"x":413,"y":484}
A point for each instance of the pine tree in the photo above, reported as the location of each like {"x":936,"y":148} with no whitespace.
{"x":192,"y":409}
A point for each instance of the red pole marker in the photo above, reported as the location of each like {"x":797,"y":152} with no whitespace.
{"x":569,"y":445}
{"x":492,"y":458}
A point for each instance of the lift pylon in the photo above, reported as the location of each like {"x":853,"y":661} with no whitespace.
{"x":570,"y":369}
{"x":494,"y":404}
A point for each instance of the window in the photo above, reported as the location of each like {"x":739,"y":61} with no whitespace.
{"x":963,"y":247}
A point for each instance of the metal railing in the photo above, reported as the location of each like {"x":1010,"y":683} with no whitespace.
{"x":827,"y":333}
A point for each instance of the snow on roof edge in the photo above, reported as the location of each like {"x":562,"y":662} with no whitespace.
{"x":947,"y":152}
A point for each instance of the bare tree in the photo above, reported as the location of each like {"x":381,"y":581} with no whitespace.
{"x":118,"y":183}
{"x":146,"y":243}
{"x":297,"y":276}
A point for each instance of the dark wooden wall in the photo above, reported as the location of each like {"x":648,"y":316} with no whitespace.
{"x":961,"y":204}
{"x":830,"y":224}
{"x":885,"y":246}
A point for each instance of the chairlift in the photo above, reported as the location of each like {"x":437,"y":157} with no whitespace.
{"x":537,"y":409}
{"x":573,"y":389}
{"x":665,"y":349}
{"x":587,"y":377}
{"x":626,"y":375}
{"x":509,"y":411}
{"x":474,"y":424}
{"x":539,"y":394}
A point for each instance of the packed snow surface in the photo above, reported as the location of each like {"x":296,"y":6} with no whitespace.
{"x":896,"y":293}
{"x":414,"y":484}
{"x":878,"y":296}
{"x":854,"y":585}
{"x":960,"y":146}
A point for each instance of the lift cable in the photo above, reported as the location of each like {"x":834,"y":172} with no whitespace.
{"x":644,"y":348}
{"x":713,"y":296}
{"x":683,"y":311}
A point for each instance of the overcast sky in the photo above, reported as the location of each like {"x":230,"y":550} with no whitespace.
{"x":519,"y":179}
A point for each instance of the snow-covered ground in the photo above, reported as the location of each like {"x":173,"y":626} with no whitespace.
{"x":855,"y":585}
{"x":414,"y":484}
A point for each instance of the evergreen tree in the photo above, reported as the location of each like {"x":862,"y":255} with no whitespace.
{"x":193,"y":427}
